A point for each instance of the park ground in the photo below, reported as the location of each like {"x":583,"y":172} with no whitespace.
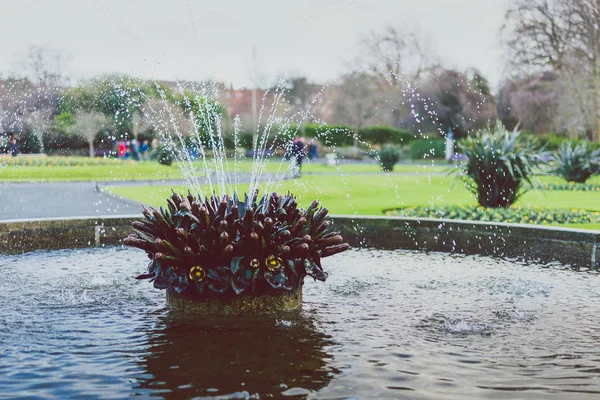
{"x":350,"y":188}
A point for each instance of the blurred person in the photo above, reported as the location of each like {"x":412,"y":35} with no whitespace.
{"x":144,"y":148}
{"x":122,"y":149}
{"x":297,"y":156}
{"x":14,"y":146}
{"x":313,"y":151}
{"x":135,"y":149}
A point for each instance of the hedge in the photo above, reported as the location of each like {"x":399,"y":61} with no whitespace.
{"x":385,"y":135}
{"x":329,"y":135}
{"x":427,"y":148}
{"x":552,"y":141}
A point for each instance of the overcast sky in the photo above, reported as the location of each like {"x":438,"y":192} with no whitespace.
{"x":200,"y":39}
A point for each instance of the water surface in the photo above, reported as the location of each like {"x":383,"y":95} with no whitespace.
{"x":387,"y":324}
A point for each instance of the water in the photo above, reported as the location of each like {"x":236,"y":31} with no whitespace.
{"x":386,"y":324}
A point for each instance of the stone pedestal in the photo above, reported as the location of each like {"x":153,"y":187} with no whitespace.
{"x":235,"y":305}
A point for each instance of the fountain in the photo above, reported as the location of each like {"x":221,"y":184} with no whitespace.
{"x":415,"y":309}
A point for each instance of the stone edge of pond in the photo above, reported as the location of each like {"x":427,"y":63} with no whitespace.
{"x":569,"y":246}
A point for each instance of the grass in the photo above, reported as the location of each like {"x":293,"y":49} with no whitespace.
{"x":140,"y":171}
{"x":371,"y":194}
{"x":352,"y":188}
{"x":72,"y":169}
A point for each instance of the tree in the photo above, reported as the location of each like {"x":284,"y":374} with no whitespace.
{"x":396,"y":59}
{"x":300,"y":91}
{"x":538,"y":33}
{"x":16,"y":100}
{"x":575,"y":104}
{"x":164,"y":118}
{"x":28,"y":101}
{"x":43,"y":65}
{"x":38,"y":122}
{"x":452,"y":99}
{"x":394,"y":56}
{"x":529,"y":102}
{"x":88,"y":124}
{"x":562,"y":35}
{"x":356,"y":101}
{"x":118,"y":98}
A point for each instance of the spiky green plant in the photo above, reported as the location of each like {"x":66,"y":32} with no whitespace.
{"x":499,"y":163}
{"x":230,"y":246}
{"x":576,"y":163}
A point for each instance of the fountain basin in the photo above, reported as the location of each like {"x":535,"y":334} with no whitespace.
{"x":387,"y":324}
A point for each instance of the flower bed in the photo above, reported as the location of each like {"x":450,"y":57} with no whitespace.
{"x":534,"y":215}
{"x":60,"y":161}
{"x":575,"y":186}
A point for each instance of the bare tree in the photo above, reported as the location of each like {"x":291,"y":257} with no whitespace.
{"x":16,"y":101}
{"x":575,"y":101}
{"x":395,"y":59}
{"x":530,"y":102}
{"x":356,"y":100}
{"x":30,"y":99}
{"x":452,"y":99}
{"x":563,"y":35}
{"x":165,"y":118}
{"x":395,"y":56}
{"x":88,"y":124}
{"x":43,"y":65}
{"x":538,"y":33}
{"x":38,"y":122}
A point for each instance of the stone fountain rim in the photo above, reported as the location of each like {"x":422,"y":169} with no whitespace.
{"x":572,"y":246}
{"x":134,"y":217}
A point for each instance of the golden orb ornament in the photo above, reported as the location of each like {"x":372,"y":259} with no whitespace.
{"x":273,"y":262}
{"x":197,"y":273}
{"x":254,"y":263}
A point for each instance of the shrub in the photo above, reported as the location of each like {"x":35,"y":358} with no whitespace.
{"x":427,"y":148}
{"x":525,"y":215}
{"x":576,"y":163}
{"x":245,"y":140}
{"x":384,"y":135}
{"x":499,"y":163}
{"x":29,"y":143}
{"x":164,"y":155}
{"x":389,"y":156}
{"x":58,"y":142}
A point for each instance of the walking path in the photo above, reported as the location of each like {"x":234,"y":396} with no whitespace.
{"x":87,"y":199}
{"x":72,"y":199}
{"x":51,"y":200}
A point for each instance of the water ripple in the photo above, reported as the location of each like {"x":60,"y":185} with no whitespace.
{"x":387,"y":324}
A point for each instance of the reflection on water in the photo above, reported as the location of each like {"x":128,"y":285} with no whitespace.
{"x":210,"y":356}
{"x":386,"y":325}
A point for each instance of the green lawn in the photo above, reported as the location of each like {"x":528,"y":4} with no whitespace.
{"x":61,"y":169}
{"x":351,"y":188}
{"x":371,"y":194}
{"x":55,"y":169}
